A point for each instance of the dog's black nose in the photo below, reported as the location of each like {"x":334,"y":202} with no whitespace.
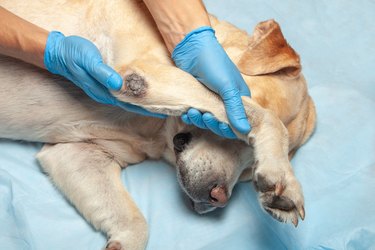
{"x":218,"y":196}
{"x":181,"y":140}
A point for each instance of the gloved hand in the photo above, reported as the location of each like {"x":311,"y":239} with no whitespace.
{"x":80,"y":61}
{"x":201,"y":55}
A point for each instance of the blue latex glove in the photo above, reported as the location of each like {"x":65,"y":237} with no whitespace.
{"x":201,"y":55}
{"x":80,"y":61}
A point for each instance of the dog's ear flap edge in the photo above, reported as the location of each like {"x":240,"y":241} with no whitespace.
{"x":269,"y":53}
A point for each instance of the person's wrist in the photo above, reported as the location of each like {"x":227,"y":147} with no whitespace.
{"x":51,"y":59}
{"x":173,"y":38}
{"x":37,"y":47}
{"x":177,"y":18}
{"x":190,"y":36}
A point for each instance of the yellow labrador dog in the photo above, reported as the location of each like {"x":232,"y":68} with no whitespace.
{"x":87,"y":143}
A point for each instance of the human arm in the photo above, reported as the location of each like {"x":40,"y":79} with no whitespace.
{"x":186,"y":30}
{"x":73,"y":57}
{"x":21,"y":39}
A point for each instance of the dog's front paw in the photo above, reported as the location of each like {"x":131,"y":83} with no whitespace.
{"x":280,"y":195}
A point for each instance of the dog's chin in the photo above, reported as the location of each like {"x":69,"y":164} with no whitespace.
{"x":202,"y":208}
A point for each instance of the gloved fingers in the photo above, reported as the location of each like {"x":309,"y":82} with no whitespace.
{"x":211,"y":123}
{"x":244,"y":89}
{"x":235,"y":110}
{"x":53,"y":41}
{"x":87,"y":56}
{"x":195,"y":117}
{"x":227,"y":131}
{"x":93,"y":88}
{"x":240,"y":82}
{"x":217,"y":127}
{"x":106,"y":76}
{"x":139,"y":110}
{"x":185,"y":119}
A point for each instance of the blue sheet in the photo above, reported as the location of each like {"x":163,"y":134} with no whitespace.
{"x":336,"y":167}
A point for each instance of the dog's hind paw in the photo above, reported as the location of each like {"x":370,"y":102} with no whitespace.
{"x":114,"y":245}
{"x":280,"y":195}
{"x":134,"y":238}
{"x":121,"y":244}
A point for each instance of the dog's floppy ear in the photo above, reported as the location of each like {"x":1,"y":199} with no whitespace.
{"x":268,"y":52}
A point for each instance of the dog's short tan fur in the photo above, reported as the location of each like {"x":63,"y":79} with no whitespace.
{"x":87,"y":143}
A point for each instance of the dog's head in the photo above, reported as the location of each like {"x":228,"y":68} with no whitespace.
{"x":208,"y":166}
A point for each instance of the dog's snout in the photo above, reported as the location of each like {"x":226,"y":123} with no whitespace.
{"x":181,"y":140}
{"x":218,"y":196}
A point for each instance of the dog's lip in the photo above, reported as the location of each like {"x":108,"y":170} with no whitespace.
{"x":207,"y":207}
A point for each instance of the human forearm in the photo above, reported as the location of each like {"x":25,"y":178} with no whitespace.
{"x":176,"y":18}
{"x":196,"y":50}
{"x":21,"y":39}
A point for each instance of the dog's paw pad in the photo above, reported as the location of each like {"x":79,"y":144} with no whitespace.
{"x":135,"y":85}
{"x":114,"y":245}
{"x":279,"y":202}
{"x":281,"y":197}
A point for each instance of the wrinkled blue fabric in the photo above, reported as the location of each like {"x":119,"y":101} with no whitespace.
{"x":336,"y":167}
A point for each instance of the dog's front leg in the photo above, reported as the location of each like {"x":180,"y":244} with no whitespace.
{"x":279,"y":192}
{"x":166,"y":89}
{"x":90,"y":179}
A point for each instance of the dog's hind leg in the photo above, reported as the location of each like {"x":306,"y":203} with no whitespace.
{"x":90,"y":179}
